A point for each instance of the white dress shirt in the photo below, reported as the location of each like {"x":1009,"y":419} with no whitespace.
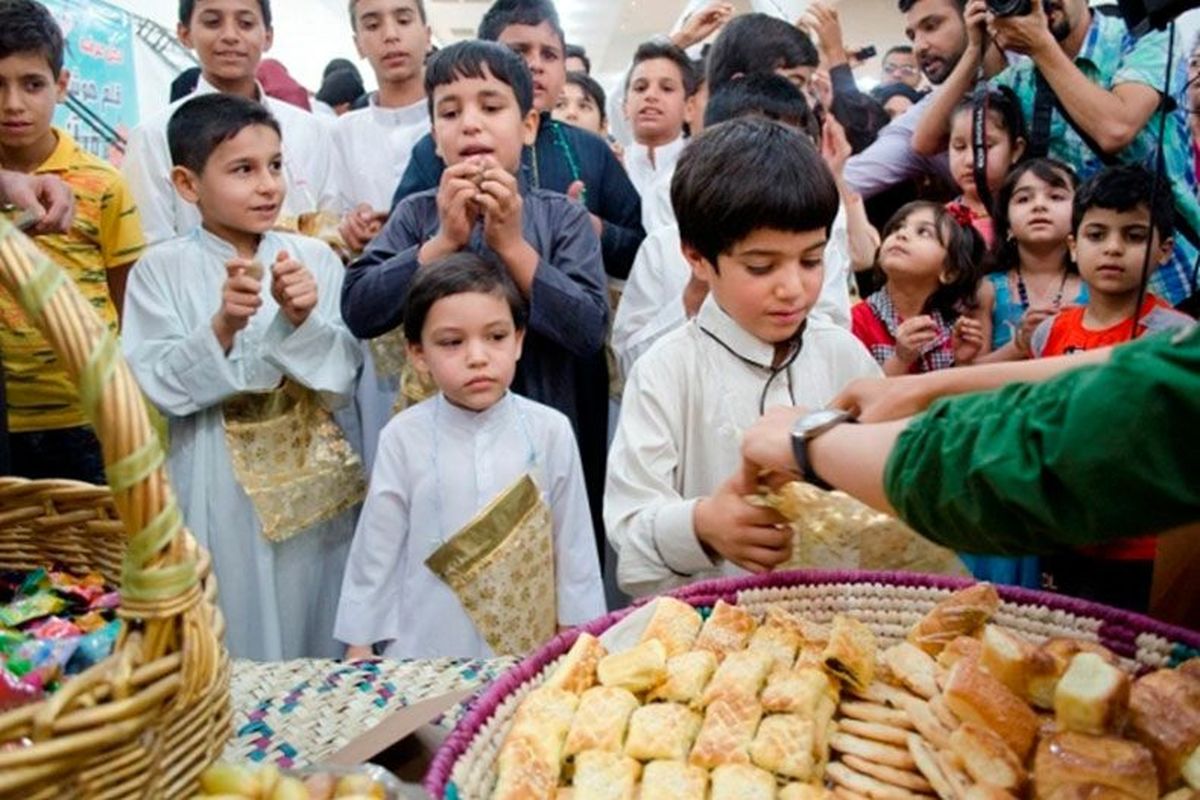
{"x":436,"y":468}
{"x":652,"y":303}
{"x":644,"y":172}
{"x":307,"y":164}
{"x":372,"y":147}
{"x":687,"y":403}
{"x":279,"y":599}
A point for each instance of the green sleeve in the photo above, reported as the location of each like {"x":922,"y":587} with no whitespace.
{"x":1096,"y":454}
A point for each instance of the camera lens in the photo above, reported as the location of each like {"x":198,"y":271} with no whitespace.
{"x":1010,"y":8}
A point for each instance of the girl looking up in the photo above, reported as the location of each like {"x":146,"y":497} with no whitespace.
{"x":1005,"y":130}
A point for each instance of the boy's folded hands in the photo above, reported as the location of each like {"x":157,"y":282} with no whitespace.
{"x":756,"y":539}
{"x":240,"y":300}
{"x":294,"y":288}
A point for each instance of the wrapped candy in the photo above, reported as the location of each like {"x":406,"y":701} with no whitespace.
{"x":106,"y":602}
{"x":54,"y":628}
{"x":35,"y":582}
{"x":94,"y":648}
{"x":16,"y":692}
{"x":50,"y":655}
{"x":27,"y":609}
{"x":91,"y":621}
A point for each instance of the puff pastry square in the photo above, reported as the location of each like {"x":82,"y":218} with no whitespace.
{"x":777,"y":641}
{"x":674,"y":780}
{"x":742,"y":782}
{"x":687,"y":675}
{"x":675,"y":624}
{"x":727,"y":732}
{"x":784,"y":745}
{"x":662,"y":731}
{"x":523,"y":772}
{"x":544,"y":718}
{"x":603,"y":775}
{"x":739,"y":678}
{"x":638,"y":669}
{"x":851,"y":652}
{"x":727,"y":629}
{"x":600,"y":721}
{"x":577,"y":672}
{"x":796,"y":691}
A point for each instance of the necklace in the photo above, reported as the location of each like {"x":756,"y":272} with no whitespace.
{"x":1024,"y":292}
{"x":560,"y":141}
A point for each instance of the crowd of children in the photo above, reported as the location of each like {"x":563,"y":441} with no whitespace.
{"x":483,"y":212}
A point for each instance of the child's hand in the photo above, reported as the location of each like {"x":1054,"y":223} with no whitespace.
{"x":575,"y":193}
{"x":240,"y":300}
{"x":913,"y":336}
{"x":500,"y":199}
{"x":294,"y":288}
{"x":835,"y":147}
{"x":755,"y":539}
{"x":966,"y":339}
{"x":1030,"y":320}
{"x":456,"y":201}
{"x":358,"y":652}
{"x":360,"y":226}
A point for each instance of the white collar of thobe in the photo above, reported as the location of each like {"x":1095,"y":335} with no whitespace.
{"x":724,"y":329}
{"x":204,"y":87}
{"x":224,"y":250}
{"x":464,"y":419}
{"x":663,"y":154}
{"x":411,"y":114}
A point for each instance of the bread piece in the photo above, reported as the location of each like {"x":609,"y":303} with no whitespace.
{"x":543,"y":718}
{"x":1013,"y":660}
{"x":662,"y":731}
{"x":1191,"y":769}
{"x":728,"y":730}
{"x":1191,"y":668}
{"x":874,"y":712}
{"x":926,"y":761}
{"x":1186,"y":793}
{"x":784,"y":745}
{"x":986,"y":758}
{"x":975,"y":696}
{"x":1060,"y":651}
{"x":1087,"y":791}
{"x":604,"y":775}
{"x":959,"y":648}
{"x":902,"y":778}
{"x":913,"y":668}
{"x":963,"y":613}
{"x":845,"y":777}
{"x":1164,"y":715}
{"x":600,"y":721}
{"x":982,"y":791}
{"x":577,"y":672}
{"x":523,"y":773}
{"x":851,"y":652}
{"x":797,"y":691}
{"x":804,"y":791}
{"x":779,"y":642}
{"x":1068,"y":758}
{"x":875,"y":731}
{"x":638,"y":669}
{"x":687,"y":675}
{"x":928,"y":724}
{"x":727,"y":629}
{"x":673,"y":780}
{"x":675,"y":624}
{"x":739,"y":677}
{"x":872,"y":751}
{"x":1092,"y":696}
{"x":742,"y":782}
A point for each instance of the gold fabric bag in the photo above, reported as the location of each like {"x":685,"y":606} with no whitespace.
{"x":292,"y":459}
{"x":390,"y":353}
{"x":501,"y":566}
{"x":835,"y":531}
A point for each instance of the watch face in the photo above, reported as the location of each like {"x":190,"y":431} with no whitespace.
{"x":817,"y":420}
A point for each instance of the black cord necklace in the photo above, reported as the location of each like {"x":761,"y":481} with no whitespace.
{"x":797,"y":343}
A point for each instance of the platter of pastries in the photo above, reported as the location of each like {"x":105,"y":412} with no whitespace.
{"x":731,"y":704}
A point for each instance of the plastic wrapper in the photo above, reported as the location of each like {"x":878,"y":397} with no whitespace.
{"x":54,"y":628}
{"x":108,"y":601}
{"x":16,"y":692}
{"x":40,"y":654}
{"x":26,"y":609}
{"x":94,"y":648}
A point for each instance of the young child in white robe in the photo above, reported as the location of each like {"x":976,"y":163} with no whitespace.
{"x":206,"y":327}
{"x":443,"y":461}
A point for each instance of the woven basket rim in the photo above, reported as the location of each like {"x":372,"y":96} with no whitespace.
{"x":708,"y":592}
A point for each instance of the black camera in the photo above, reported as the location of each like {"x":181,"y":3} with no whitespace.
{"x":1010,"y":8}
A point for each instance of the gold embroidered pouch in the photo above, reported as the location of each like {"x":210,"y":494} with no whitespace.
{"x":292,"y":459}
{"x":501,"y":566}
{"x":835,"y":531}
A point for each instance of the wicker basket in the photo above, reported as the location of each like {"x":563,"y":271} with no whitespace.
{"x":890,"y":603}
{"x":149,"y":719}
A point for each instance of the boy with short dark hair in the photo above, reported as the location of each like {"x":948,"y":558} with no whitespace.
{"x":481,"y":101}
{"x":759,"y":246}
{"x":1114,"y":223}
{"x":229,"y":38}
{"x":756,"y":43}
{"x":266,"y":480}
{"x":50,"y":435}
{"x":659,"y":96}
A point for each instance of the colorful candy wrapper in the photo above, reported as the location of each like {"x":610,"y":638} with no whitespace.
{"x":81,"y":590}
{"x":36,"y":581}
{"x":91,"y":621}
{"x":55,"y":628}
{"x":16,"y":692}
{"x":106,"y":602}
{"x":10,"y":641}
{"x":94,"y":648}
{"x":27,"y":609}
{"x":40,"y":654}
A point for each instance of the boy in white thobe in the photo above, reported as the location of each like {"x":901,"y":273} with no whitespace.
{"x":229,"y":39}
{"x":279,"y":597}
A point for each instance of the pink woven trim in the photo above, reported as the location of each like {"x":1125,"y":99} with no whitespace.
{"x":1119,"y":631}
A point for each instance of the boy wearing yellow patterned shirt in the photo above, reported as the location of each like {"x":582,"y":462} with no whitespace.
{"x":50,"y":437}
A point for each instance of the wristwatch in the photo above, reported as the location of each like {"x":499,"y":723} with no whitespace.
{"x":808,"y":428}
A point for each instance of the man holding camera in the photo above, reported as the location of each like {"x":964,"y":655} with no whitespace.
{"x":1091,"y":95}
